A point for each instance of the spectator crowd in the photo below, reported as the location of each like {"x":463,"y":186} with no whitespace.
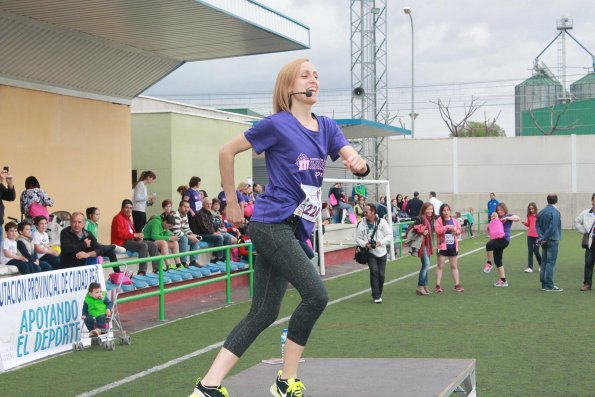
{"x":27,"y":247}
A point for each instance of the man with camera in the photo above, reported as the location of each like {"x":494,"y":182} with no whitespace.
{"x":374,"y":234}
{"x":6,"y":193}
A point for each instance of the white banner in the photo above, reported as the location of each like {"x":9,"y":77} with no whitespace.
{"x":41,"y":313}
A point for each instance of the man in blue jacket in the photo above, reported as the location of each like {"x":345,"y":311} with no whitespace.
{"x":549,"y":230}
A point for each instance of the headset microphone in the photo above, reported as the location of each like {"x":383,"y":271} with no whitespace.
{"x":307,"y":93}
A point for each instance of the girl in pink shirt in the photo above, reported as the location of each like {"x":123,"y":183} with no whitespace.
{"x":532,"y":248}
{"x":447,"y":230}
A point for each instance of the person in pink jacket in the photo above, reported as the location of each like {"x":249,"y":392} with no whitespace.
{"x":532,"y":237}
{"x":447,"y":231}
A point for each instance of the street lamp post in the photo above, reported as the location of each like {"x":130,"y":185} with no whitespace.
{"x":407,"y":10}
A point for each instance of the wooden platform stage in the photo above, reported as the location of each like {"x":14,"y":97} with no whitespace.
{"x":365,"y":377}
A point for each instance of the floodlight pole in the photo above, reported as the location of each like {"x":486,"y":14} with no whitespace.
{"x":407,"y":10}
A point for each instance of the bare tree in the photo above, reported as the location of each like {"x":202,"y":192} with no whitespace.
{"x":554,"y":122}
{"x":490,"y":124}
{"x":457,"y":128}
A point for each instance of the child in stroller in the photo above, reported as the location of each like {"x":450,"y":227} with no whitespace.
{"x":96,"y":309}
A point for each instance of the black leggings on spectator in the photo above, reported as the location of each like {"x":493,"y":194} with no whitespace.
{"x":498,"y":247}
{"x":139,"y":219}
{"x":280,"y":260}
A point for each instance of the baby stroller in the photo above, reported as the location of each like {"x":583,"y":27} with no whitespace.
{"x":58,"y":221}
{"x":111,"y":331}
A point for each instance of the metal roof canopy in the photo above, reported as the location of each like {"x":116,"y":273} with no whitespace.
{"x":361,"y":129}
{"x":115,"y":49}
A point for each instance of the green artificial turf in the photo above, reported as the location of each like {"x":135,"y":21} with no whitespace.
{"x":527,"y":342}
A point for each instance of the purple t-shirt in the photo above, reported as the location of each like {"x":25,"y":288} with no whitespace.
{"x":193,"y":199}
{"x":295,"y":157}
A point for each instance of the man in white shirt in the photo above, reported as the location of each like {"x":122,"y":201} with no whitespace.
{"x":188,"y":241}
{"x":436,"y":203}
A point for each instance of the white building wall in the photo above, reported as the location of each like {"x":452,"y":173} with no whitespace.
{"x":463,"y":171}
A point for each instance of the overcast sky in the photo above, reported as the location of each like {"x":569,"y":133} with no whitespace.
{"x":462,"y":48}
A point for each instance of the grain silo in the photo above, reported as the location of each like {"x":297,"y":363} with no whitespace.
{"x":583,"y":88}
{"x":539,"y":91}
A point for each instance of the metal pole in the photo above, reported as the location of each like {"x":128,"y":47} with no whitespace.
{"x":161,"y":291}
{"x":412,"y":79}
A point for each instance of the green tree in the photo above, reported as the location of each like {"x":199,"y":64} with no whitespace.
{"x":479,"y":129}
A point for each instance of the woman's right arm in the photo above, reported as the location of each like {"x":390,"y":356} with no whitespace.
{"x":227,"y":155}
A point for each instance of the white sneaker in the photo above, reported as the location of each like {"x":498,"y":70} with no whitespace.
{"x":528,"y":270}
{"x":379,"y":300}
{"x":120,"y":250}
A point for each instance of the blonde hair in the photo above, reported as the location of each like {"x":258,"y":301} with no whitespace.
{"x":285,"y":79}
{"x":242,"y":186}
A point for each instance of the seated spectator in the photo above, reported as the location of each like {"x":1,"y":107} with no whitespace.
{"x":78,"y":244}
{"x":27,"y":249}
{"x":92,"y":226}
{"x":341,"y":202}
{"x":244,"y":199}
{"x":34,"y":201}
{"x":9,"y":254}
{"x":400,"y":203}
{"x":395,"y":210}
{"x":359,"y":207}
{"x":230,"y":227}
{"x":157,"y":230}
{"x":41,"y":243}
{"x":257,"y":190}
{"x":166,"y":205}
{"x":193,"y":196}
{"x":123,"y":234}
{"x":222,"y":199}
{"x":187,"y":240}
{"x":382,"y":210}
{"x":228,"y":238}
{"x":203,"y":225}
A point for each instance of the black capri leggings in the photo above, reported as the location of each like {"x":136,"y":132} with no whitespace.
{"x":498,"y":247}
{"x":280,"y":260}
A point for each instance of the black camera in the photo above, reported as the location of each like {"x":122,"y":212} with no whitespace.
{"x":372,"y":244}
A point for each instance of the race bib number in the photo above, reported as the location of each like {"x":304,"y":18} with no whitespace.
{"x":450,"y":239}
{"x":310,"y":207}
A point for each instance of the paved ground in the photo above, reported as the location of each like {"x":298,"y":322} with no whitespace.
{"x":139,"y":319}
